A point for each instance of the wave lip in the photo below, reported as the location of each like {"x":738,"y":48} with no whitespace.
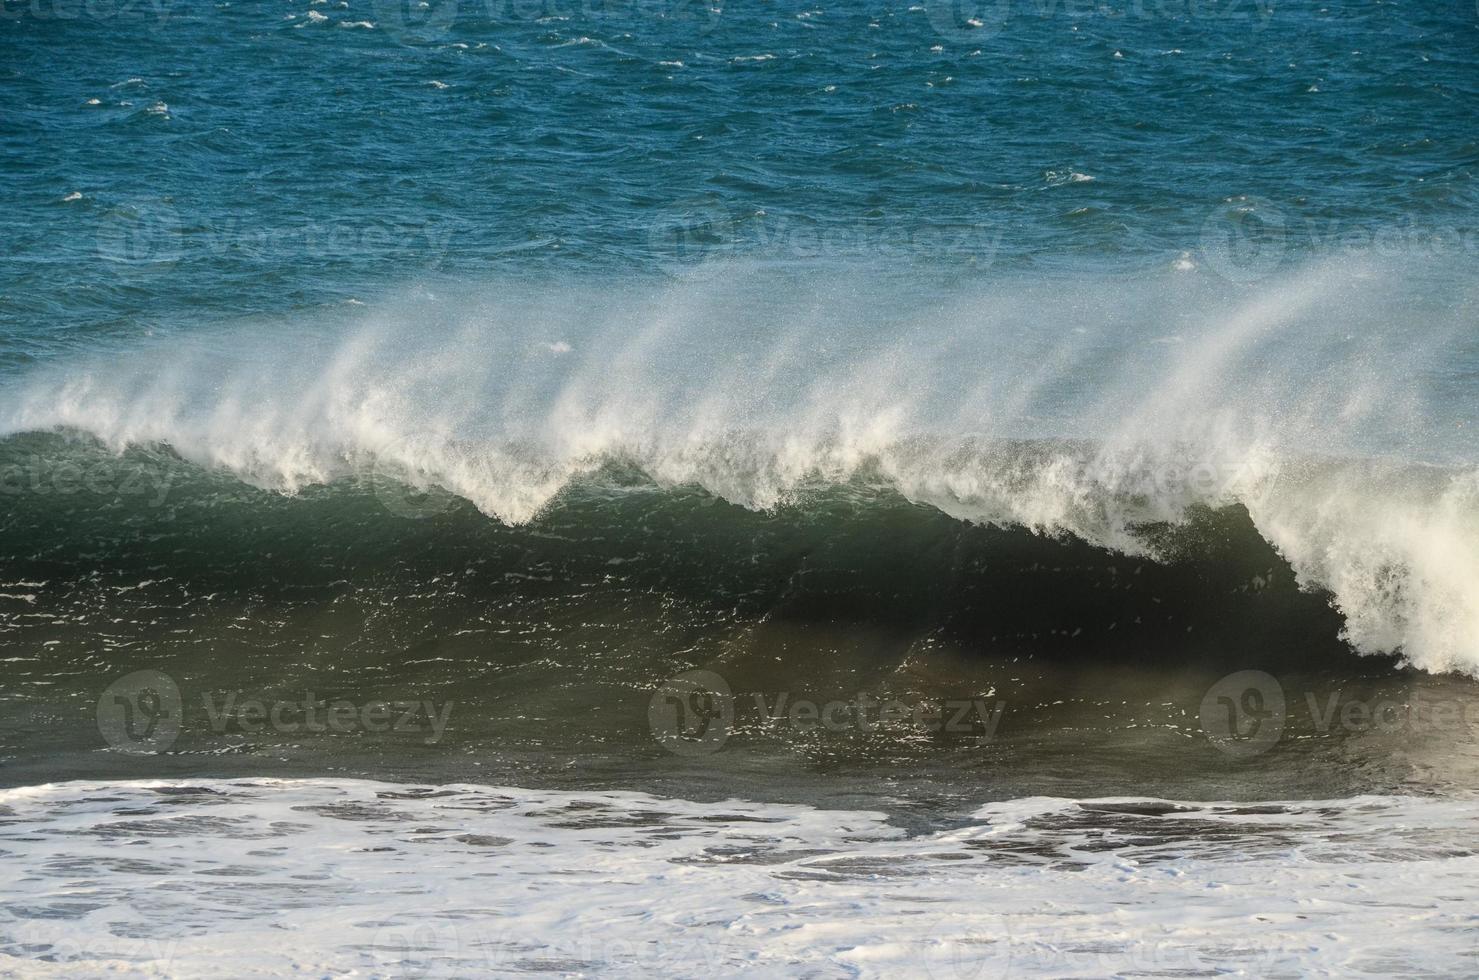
{"x":1027,"y":405}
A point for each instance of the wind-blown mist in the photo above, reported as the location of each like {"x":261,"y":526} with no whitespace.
{"x":1332,"y":404}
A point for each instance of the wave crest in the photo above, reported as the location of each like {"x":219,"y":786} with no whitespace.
{"x":1090,"y":411}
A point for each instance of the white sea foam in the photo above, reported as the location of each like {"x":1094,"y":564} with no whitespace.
{"x":334,"y":877}
{"x":1306,"y":400}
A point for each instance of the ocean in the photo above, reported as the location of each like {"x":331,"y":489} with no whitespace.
{"x":611,"y":487}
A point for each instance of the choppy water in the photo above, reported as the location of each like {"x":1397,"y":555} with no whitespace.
{"x":864,"y":415}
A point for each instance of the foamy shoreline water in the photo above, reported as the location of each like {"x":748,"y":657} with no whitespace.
{"x":361,"y":878}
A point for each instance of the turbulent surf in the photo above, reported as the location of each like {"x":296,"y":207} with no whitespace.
{"x":1122,"y":416}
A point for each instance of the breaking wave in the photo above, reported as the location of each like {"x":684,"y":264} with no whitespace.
{"x":1328,"y":406}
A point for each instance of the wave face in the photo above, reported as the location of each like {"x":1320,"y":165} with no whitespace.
{"x":1330,"y":407}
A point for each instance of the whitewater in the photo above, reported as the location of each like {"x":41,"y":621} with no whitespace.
{"x":1332,"y":404}
{"x":364,"y":878}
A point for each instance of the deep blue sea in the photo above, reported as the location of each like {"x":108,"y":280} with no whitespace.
{"x":172,"y":163}
{"x":615,"y":487}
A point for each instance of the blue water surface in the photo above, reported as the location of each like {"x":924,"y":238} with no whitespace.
{"x":170,"y":163}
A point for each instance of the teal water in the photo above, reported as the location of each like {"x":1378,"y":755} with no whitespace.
{"x":244,"y":158}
